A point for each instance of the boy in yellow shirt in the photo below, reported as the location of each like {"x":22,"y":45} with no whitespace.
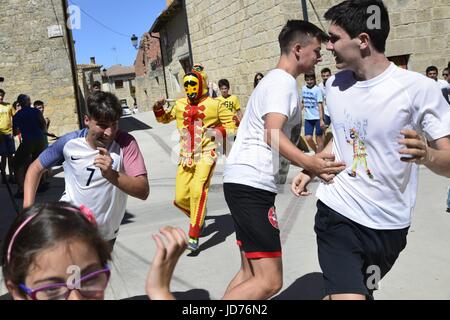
{"x":231,"y":102}
{"x":7,"y":146}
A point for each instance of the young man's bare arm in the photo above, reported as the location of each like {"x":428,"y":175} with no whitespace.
{"x":317,"y":165}
{"x":34,"y":174}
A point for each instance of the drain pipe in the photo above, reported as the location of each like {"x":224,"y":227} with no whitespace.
{"x":305,"y":10}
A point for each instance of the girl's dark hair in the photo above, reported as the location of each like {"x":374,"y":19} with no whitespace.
{"x":104,"y":106}
{"x":354,"y":16}
{"x":255,"y":79}
{"x":53,"y":223}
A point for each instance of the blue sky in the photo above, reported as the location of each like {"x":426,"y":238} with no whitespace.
{"x":123,"y":17}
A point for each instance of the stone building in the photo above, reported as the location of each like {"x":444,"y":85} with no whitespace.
{"x":175,"y":58}
{"x":119,"y":80}
{"x":150,"y":81}
{"x":234,"y":39}
{"x":37,"y":58}
{"x":87,"y":75}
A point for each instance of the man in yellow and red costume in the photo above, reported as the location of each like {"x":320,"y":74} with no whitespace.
{"x":202,"y":123}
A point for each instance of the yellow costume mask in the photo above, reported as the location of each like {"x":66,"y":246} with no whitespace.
{"x":194,"y":83}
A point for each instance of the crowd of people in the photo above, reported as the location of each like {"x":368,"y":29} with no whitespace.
{"x":385,"y":122}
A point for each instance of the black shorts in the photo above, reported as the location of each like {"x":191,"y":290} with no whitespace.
{"x":255,"y":220}
{"x":353,"y":257}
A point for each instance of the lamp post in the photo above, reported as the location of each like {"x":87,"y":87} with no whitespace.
{"x":134,"y":41}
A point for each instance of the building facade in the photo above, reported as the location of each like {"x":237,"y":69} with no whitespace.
{"x":120,"y":80}
{"x":37,"y":58}
{"x":234,"y":39}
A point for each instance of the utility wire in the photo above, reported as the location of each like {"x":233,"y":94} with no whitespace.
{"x":99,"y":22}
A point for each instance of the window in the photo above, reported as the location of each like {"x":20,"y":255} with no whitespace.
{"x":118,"y":84}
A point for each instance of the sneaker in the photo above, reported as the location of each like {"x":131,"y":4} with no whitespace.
{"x":193,"y":244}
{"x":352,"y":174}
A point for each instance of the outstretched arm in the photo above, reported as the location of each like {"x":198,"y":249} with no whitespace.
{"x":34,"y":174}
{"x":164,"y":262}
{"x":322,"y":164}
{"x":160,"y":114}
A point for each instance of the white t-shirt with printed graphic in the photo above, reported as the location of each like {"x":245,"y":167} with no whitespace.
{"x":251,"y":160}
{"x":367,"y":118}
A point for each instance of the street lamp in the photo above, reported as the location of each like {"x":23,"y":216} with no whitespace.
{"x":134,"y":41}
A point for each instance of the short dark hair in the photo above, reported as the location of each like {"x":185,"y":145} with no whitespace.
{"x":23,"y":99}
{"x":52,"y":223}
{"x":96,"y":84}
{"x":353,"y":16}
{"x":301,"y":31}
{"x":38,"y":103}
{"x":104,"y":106}
{"x":431,"y":68}
{"x":325,"y":70}
{"x":2,"y":92}
{"x":224,"y":82}
{"x":310,"y":75}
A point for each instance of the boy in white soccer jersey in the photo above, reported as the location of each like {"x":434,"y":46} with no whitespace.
{"x":102,"y":165}
{"x":377,"y":110}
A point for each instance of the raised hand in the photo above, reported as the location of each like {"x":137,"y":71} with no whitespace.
{"x":164,"y":262}
{"x":104,"y":162}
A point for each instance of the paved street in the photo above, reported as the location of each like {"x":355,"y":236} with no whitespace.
{"x":422,"y":271}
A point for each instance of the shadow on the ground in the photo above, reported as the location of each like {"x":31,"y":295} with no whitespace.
{"x":222,"y":227}
{"x":129,"y":124}
{"x":193,"y":294}
{"x":308,"y":287}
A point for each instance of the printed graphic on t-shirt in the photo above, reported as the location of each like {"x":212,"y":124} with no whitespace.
{"x":229,"y":105}
{"x":355,"y":135}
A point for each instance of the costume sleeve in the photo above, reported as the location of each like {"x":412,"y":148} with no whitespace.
{"x":164,"y":116}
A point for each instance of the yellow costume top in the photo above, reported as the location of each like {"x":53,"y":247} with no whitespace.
{"x":201,"y":120}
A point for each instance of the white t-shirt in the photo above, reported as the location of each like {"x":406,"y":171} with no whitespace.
{"x":367,"y":118}
{"x":324,"y":96}
{"x":251,"y":160}
{"x":443,"y":84}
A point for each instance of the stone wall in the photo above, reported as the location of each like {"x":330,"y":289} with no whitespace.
{"x":234,"y":39}
{"x":35,"y":64}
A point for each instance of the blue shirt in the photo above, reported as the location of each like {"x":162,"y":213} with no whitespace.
{"x":311,"y":98}
{"x":30,"y":123}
